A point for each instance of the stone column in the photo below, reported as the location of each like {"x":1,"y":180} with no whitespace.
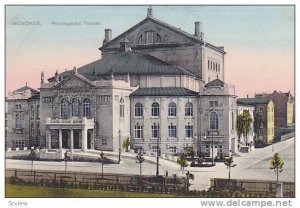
{"x":84,"y":139}
{"x":72,"y":144}
{"x":48,"y":135}
{"x":72,"y":139}
{"x":60,"y":138}
{"x":93,"y":140}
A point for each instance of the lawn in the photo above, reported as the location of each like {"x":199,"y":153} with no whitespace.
{"x":39,"y":191}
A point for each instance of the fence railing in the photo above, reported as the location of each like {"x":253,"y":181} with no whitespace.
{"x":253,"y":186}
{"x":110,"y":181}
{"x":287,"y":136}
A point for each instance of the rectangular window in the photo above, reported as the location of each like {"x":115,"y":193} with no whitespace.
{"x":104,"y":141}
{"x":220,"y":149}
{"x":138,"y":131}
{"x":172,"y":149}
{"x":208,"y":64}
{"x":172,"y":131}
{"x":213,"y":103}
{"x":155,"y":131}
{"x":207,"y":148}
{"x":189,"y":131}
{"x":154,"y":148}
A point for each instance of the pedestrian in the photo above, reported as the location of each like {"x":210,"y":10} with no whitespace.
{"x":167,"y":173}
{"x":230,"y":153}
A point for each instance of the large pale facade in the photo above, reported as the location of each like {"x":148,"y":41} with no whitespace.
{"x":153,"y":82}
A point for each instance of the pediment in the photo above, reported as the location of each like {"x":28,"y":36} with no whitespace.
{"x":74,"y":82}
{"x":167,"y":33}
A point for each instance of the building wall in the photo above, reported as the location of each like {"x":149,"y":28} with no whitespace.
{"x":290,"y":113}
{"x":270,"y":125}
{"x":164,"y":121}
{"x":174,"y":48}
{"x":211,"y":72}
{"x":226,"y":105}
{"x":17,"y":138}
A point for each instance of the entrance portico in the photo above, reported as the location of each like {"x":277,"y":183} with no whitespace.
{"x":69,"y":131}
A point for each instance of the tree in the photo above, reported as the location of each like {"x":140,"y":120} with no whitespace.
{"x":276,"y":164}
{"x":258,"y":122}
{"x":182,"y":161}
{"x":140,"y":159}
{"x":189,"y":151}
{"x":126,"y":144}
{"x":247,"y":123}
{"x":32,"y":156}
{"x":229,"y":163}
{"x":243,"y":124}
{"x":239,"y":126}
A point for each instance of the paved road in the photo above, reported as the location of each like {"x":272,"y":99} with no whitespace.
{"x":254,"y":165}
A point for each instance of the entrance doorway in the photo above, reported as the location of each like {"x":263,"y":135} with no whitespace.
{"x":215,"y":151}
{"x":76,"y":135}
{"x":66,"y":139}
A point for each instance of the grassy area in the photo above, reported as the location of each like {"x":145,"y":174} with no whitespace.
{"x":38,"y":191}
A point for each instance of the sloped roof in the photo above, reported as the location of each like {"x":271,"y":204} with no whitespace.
{"x":22,"y":89}
{"x":215,"y":83}
{"x":130,"y":62}
{"x":163,"y":91}
{"x":157,"y":21}
{"x":253,"y":101}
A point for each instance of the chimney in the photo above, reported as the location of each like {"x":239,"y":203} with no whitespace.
{"x":198,"y":30}
{"x":124,"y":45}
{"x":107,"y":36}
{"x":149,"y":12}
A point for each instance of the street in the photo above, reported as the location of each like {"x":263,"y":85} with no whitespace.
{"x":253,"y":165}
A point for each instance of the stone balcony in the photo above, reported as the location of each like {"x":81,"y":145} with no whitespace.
{"x":71,"y":122}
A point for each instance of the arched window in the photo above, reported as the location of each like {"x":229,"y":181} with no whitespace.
{"x":189,"y":109}
{"x":37,"y":111}
{"x":64,"y":108}
{"x":138,"y":110}
{"x":18,"y":121}
{"x":140,"y":41}
{"x":122,"y":108}
{"x":32,"y":129}
{"x":155,"y":109}
{"x":75,"y":107}
{"x":214,"y":123}
{"x":32,"y":111}
{"x":86,"y":108}
{"x":172,"y":109}
{"x":158,"y":38}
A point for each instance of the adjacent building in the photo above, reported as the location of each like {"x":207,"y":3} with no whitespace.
{"x":284,"y":108}
{"x":263,"y":118}
{"x":23,"y":118}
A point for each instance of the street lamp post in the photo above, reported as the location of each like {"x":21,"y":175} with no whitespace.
{"x":212,"y":148}
{"x":157,"y":150}
{"x":119,"y":147}
{"x":102,"y":159}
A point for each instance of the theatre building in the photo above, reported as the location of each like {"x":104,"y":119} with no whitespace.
{"x":153,"y":82}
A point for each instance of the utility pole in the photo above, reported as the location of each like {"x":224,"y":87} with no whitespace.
{"x":157,"y":151}
{"x":119,"y":147}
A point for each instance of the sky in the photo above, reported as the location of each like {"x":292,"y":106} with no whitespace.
{"x":259,"y":40}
